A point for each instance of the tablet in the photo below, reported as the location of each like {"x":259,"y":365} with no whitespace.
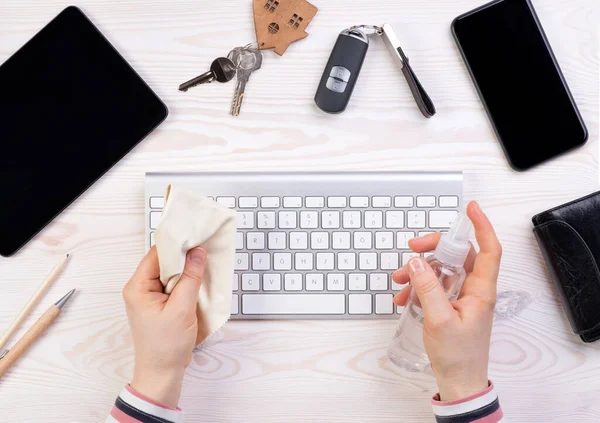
{"x":70,"y":108}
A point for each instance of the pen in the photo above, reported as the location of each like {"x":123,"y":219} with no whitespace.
{"x":8,"y":358}
{"x":33,"y":301}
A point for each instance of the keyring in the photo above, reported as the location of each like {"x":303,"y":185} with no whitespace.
{"x":377,"y":30}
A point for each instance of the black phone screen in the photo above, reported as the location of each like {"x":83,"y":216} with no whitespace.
{"x":70,"y":108}
{"x":519,"y":82}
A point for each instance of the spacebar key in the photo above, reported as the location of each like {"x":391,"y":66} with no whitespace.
{"x":293,"y":304}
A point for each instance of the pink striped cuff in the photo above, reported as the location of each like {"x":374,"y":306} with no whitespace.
{"x":133,"y":407}
{"x":483,"y":407}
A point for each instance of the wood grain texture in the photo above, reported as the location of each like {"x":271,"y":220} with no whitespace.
{"x":300,"y":371}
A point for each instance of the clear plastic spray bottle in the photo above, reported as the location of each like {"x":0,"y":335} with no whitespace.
{"x":407,"y":349}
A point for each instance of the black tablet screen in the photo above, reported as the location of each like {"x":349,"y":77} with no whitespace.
{"x":70,"y":108}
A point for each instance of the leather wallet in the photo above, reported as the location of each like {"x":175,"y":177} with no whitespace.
{"x":569,"y":237}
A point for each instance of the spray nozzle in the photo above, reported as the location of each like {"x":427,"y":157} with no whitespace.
{"x":454,"y":246}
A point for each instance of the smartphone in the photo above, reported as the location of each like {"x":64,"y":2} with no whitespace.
{"x":519,"y":81}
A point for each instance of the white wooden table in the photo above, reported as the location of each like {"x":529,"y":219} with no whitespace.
{"x":296,"y":371}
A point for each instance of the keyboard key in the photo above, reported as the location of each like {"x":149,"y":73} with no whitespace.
{"x":250,"y":282}
{"x":336,"y":202}
{"x":227,"y":201}
{"x":304,"y":261}
{"x":352,"y":220}
{"x":336,"y":282}
{"x":378,"y":281}
{"x":407,"y":256}
{"x":266,"y":220}
{"x":423,"y":233}
{"x":330,"y":220}
{"x":272,"y":282}
{"x":448,"y":201}
{"x":255,"y":240}
{"x":315,"y":202}
{"x":360,"y":304}
{"x":382,"y":202}
{"x":235,"y":283}
{"x":152,"y":240}
{"x":357,"y":282}
{"x":426,"y":201}
{"x":282,"y":261}
{"x":314,"y":282}
{"x":416,"y":219}
{"x":245,"y":220}
{"x":261,"y":261}
{"x":367,"y":261}
{"x":394,"y":219}
{"x":290,"y":304}
{"x":241,"y":261}
{"x":154,"y":219}
{"x":292,"y":202}
{"x":269,"y":202}
{"x":403,"y":202}
{"x":359,"y":202}
{"x":157,"y":202}
{"x":347,"y":261}
{"x":398,"y":287}
{"x":384,"y":240}
{"x":293,"y":281}
{"x":402,"y":239}
{"x":384,"y":304}
{"x":298,"y":240}
{"x":341,"y":240}
{"x":235,"y":304}
{"x":319,"y":240}
{"x":248,"y":202}
{"x":442,"y":218}
{"x":390,"y":261}
{"x":309,"y":219}
{"x":363,"y":240}
{"x":277,"y":240}
{"x":399,"y":309}
{"x":239,"y":241}
{"x":325,"y":261}
{"x":373,"y":219}
{"x":287,"y":219}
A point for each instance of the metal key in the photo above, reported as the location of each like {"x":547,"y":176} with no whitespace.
{"x":247,"y":60}
{"x":222,"y":70}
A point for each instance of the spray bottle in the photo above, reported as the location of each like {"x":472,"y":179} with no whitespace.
{"x":407,"y":349}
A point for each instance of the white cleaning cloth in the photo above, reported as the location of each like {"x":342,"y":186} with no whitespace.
{"x":190,"y":220}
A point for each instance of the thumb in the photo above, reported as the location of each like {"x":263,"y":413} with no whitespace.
{"x":185,"y":293}
{"x":424,"y":281}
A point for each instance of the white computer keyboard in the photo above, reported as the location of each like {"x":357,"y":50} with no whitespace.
{"x":319,"y":245}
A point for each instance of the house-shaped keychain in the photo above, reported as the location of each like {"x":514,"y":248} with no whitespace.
{"x":278,"y":23}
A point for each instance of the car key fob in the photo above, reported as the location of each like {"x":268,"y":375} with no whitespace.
{"x":342,"y":70}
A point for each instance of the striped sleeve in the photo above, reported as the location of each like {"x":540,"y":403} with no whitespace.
{"x":133,"y":407}
{"x":480,"y":408}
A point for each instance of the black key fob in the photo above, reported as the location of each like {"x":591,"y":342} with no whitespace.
{"x":342,"y":70}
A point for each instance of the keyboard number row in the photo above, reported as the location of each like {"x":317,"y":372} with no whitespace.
{"x":415,"y":219}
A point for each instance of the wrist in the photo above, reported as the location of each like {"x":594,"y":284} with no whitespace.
{"x":456,"y":390}
{"x":161,"y":386}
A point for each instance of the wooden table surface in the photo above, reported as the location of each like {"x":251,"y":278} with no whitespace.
{"x":298,"y":371}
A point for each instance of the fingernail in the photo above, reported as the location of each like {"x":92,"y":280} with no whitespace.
{"x":416,"y":266}
{"x":197,"y":255}
{"x":477,"y":207}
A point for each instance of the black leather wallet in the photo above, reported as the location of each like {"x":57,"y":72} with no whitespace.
{"x":569,"y":237}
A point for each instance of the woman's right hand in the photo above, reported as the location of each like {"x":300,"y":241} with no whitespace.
{"x":457,"y":334}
